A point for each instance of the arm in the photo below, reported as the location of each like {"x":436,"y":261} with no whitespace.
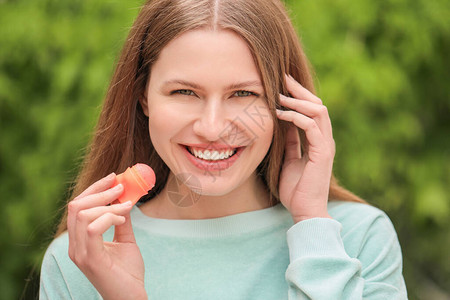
{"x":320,"y":267}
{"x":327,"y":262}
{"x":52,"y":284}
{"x":60,"y":277}
{"x":116,"y":268}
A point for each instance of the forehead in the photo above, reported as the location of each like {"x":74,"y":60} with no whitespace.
{"x":207,"y":54}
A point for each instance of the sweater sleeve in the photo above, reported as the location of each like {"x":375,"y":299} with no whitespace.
{"x":60,"y":277}
{"x":52,"y":283}
{"x":356,"y":257}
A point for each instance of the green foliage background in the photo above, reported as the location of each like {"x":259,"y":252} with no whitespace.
{"x":382,"y":69}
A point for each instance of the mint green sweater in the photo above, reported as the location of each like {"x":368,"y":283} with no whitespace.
{"x":255,"y":255}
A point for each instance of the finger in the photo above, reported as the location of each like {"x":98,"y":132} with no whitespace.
{"x":299,"y":92}
{"x":89,"y":215}
{"x":85,"y":216}
{"x":96,"y":229}
{"x":98,"y":199}
{"x":315,"y":111}
{"x":293,"y":144}
{"x":124,"y":233}
{"x":310,"y":127}
{"x":93,"y":200}
{"x":75,"y":207}
{"x":98,"y":186}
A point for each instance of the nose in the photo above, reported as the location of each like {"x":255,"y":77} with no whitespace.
{"x":211,"y":123}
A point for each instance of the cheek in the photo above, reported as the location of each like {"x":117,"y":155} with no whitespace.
{"x":158,"y":110}
{"x":258,"y":121}
{"x":161,"y":124}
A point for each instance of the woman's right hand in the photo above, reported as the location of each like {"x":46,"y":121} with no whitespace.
{"x":116,"y":269}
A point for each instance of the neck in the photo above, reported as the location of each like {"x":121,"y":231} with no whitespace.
{"x":183,"y":203}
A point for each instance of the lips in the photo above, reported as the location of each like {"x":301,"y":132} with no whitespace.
{"x":212,"y":158}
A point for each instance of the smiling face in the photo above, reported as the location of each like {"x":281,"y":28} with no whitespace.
{"x":207,"y":113}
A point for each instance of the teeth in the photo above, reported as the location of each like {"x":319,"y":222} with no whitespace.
{"x":212,"y":154}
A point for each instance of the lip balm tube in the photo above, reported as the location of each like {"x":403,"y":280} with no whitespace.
{"x":136,"y":181}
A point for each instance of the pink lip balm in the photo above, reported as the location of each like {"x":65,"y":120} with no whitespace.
{"x":136,"y":181}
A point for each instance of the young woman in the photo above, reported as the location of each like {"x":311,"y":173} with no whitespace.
{"x":217,"y":97}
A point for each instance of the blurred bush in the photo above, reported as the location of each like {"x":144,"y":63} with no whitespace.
{"x":382,"y":70}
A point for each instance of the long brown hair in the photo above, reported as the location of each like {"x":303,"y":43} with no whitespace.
{"x":121,"y":138}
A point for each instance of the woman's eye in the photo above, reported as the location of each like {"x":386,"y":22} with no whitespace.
{"x":244,"y":94}
{"x":183,"y":92}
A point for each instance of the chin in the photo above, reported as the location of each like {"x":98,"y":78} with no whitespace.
{"x":221,"y":186}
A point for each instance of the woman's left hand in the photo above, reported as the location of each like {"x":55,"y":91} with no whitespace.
{"x":305,"y":177}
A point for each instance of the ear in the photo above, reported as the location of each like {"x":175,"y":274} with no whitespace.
{"x":144,"y":104}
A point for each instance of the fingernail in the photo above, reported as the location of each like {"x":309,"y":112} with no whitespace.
{"x":110,"y":176}
{"x":117,"y":188}
{"x":128,"y":203}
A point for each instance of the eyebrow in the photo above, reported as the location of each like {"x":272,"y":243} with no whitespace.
{"x":230,"y":87}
